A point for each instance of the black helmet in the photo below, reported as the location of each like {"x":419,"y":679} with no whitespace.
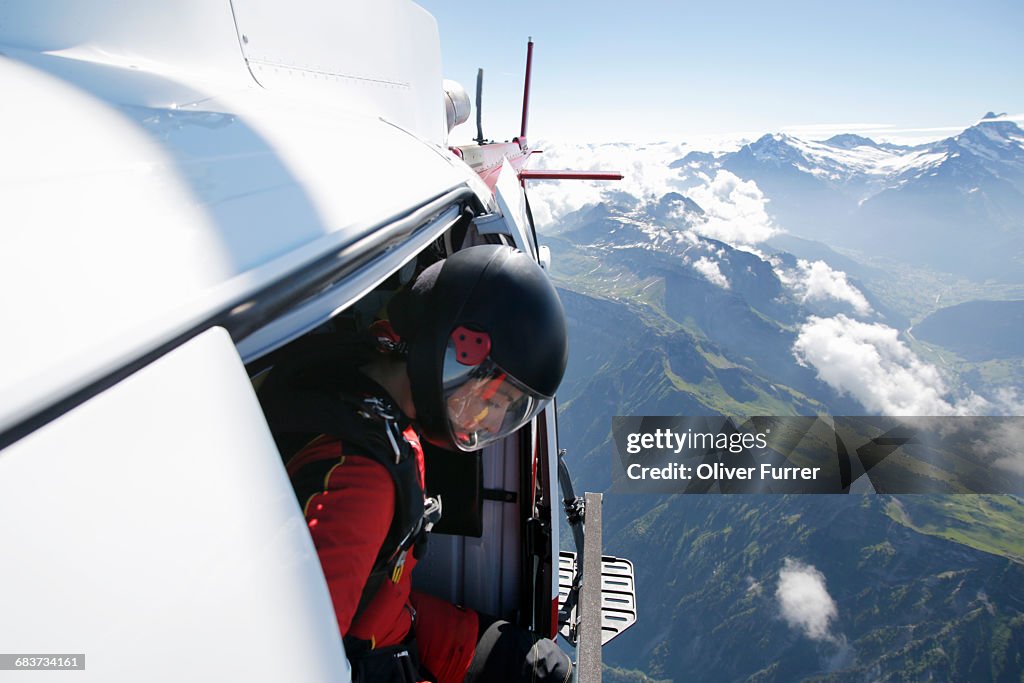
{"x":487,"y":345}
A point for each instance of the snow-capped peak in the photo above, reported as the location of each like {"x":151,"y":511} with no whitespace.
{"x":994,"y":138}
{"x":834,"y":160}
{"x":843,"y":159}
{"x":850,"y":141}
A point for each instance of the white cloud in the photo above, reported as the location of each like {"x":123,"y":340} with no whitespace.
{"x":1009,"y":401}
{"x":687,"y":237}
{"x":735,"y":210}
{"x":710,"y":270}
{"x":1002,"y":443}
{"x":808,"y":130}
{"x":551,"y":201}
{"x":817,"y":281}
{"x":869,"y":362}
{"x":804,"y":601}
{"x":645,"y":170}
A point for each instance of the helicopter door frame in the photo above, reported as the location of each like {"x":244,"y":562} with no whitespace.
{"x":514,"y":220}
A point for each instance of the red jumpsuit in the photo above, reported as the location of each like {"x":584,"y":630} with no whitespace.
{"x":349,"y":521}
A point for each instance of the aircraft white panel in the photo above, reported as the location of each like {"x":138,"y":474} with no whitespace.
{"x":382,"y":57}
{"x":196,"y":37}
{"x":512,"y":202}
{"x":135,"y":205}
{"x":153,"y":529}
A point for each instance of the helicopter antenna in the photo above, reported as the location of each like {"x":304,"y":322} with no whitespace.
{"x":526,"y":86}
{"x":479,"y":106}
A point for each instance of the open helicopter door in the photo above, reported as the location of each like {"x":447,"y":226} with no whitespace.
{"x":557,"y":590}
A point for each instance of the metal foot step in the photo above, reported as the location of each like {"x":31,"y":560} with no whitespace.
{"x":618,"y":596}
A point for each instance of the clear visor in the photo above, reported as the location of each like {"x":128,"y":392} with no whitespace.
{"x":485,"y":403}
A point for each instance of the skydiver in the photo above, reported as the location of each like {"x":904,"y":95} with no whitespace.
{"x":472,"y":351}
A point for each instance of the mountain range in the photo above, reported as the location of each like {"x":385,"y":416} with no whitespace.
{"x":690,"y":301}
{"x":955,"y":205}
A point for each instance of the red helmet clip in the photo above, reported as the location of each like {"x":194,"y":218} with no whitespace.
{"x":471,"y":347}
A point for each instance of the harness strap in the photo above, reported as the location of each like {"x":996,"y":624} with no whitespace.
{"x":412,"y":518}
{"x":394,"y":664}
{"x":316,"y":397}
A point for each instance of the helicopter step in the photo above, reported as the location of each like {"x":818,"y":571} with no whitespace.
{"x":618,"y":596}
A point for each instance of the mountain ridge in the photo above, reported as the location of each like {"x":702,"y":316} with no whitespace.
{"x":676,"y":306}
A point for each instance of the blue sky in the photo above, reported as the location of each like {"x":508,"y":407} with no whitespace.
{"x":647,"y":71}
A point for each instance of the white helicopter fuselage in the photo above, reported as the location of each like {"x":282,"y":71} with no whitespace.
{"x":185,"y":187}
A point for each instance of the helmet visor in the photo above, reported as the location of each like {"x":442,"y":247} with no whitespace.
{"x":484,"y":403}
